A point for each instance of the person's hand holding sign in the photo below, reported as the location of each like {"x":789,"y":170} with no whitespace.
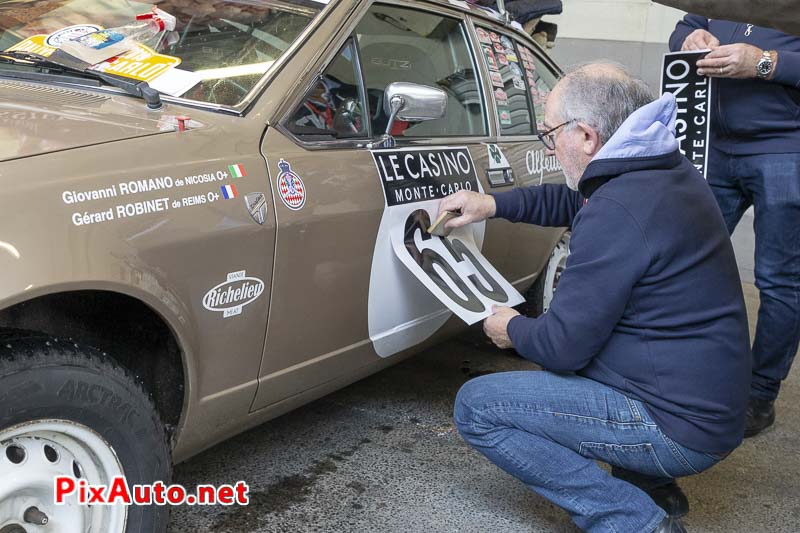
{"x":730,"y":61}
{"x":473,"y":206}
{"x":496,"y":326}
{"x":699,"y":40}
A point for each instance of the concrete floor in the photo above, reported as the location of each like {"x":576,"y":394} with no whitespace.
{"x":383,"y":455}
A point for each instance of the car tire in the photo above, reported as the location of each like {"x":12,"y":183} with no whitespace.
{"x":541,"y":293}
{"x":69,"y":410}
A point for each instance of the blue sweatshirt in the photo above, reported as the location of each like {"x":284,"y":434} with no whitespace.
{"x":752,"y":116}
{"x":650,"y":302}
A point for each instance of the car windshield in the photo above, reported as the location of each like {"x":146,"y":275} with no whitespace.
{"x":216,"y":53}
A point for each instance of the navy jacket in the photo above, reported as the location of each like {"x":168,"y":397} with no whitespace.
{"x":752,"y":116}
{"x":650,"y":302}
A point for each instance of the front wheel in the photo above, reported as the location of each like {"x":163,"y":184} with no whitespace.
{"x":541,"y":293}
{"x":67,"y":411}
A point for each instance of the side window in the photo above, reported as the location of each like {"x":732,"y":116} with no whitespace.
{"x":400,"y":44}
{"x":333,"y":108}
{"x":540,"y":79}
{"x":509,"y":90}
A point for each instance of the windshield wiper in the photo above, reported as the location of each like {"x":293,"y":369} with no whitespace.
{"x":65,"y":66}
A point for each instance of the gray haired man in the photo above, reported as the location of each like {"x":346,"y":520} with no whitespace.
{"x":645,"y":347}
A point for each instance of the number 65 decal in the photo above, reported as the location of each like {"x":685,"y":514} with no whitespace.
{"x":461,"y":276}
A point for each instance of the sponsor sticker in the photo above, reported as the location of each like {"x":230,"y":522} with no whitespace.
{"x":232,"y":295}
{"x":511,"y":56}
{"x":56,"y":39}
{"x":497,"y":79}
{"x":291,"y":188}
{"x":494,"y":37}
{"x":499,"y":48}
{"x":505,"y":115}
{"x":416,"y":175}
{"x":502,"y":60}
{"x":518,"y":83}
{"x":483,"y":36}
{"x":491,"y":62}
{"x":501,"y":96}
{"x":497,"y":159}
{"x":418,"y":280}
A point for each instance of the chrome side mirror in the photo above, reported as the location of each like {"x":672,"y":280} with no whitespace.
{"x":411,"y":102}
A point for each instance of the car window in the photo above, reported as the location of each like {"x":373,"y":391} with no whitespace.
{"x":230,"y":44}
{"x":400,"y":44}
{"x":333,"y":108}
{"x":540,"y":80}
{"x":509,"y":90}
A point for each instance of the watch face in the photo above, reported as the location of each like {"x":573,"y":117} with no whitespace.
{"x":764,"y":66}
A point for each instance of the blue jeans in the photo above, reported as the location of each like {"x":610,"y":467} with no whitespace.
{"x":771,"y":184}
{"x":548,"y":429}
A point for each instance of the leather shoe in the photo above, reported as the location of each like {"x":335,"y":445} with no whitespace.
{"x":671,"y":498}
{"x":670,"y":525}
{"x":759,"y":416}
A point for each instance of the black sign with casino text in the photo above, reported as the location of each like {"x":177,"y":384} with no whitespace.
{"x":693,"y":94}
{"x":417,"y":175}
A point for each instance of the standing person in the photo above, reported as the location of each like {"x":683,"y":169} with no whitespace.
{"x":645,"y":346}
{"x":754,"y":159}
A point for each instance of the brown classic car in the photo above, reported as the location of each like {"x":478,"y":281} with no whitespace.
{"x":194,"y":234}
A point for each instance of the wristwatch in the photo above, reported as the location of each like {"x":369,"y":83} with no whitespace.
{"x":765,"y":65}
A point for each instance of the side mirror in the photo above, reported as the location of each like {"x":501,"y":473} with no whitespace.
{"x":411,"y":102}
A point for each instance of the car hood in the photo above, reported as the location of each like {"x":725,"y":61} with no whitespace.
{"x":36,"y":118}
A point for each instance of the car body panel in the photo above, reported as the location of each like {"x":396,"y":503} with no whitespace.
{"x":36,"y":119}
{"x":300,"y":328}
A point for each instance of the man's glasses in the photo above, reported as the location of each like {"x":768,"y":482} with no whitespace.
{"x":547,"y":137}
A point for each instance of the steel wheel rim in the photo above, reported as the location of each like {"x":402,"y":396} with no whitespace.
{"x":556,"y":265}
{"x":32,"y":454}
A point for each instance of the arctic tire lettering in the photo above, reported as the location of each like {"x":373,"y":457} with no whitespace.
{"x":93,"y":394}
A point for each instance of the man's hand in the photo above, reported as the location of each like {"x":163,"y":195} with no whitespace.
{"x":474,"y":207}
{"x":496,"y":326}
{"x":730,"y":61}
{"x":699,"y":40}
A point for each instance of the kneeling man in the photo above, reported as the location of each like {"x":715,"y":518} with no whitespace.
{"x":645,"y":347}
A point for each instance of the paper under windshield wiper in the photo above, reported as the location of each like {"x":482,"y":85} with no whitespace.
{"x":64,"y":64}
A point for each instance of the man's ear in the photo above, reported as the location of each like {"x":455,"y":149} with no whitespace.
{"x":590,"y":139}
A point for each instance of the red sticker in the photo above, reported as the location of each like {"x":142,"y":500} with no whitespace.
{"x":290,"y":187}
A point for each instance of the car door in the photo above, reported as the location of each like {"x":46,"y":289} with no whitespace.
{"x":340,"y":296}
{"x":520,"y":82}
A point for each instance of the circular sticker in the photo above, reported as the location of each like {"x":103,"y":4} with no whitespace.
{"x":56,"y":39}
{"x":291,"y":187}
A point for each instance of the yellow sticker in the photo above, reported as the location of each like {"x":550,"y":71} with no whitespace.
{"x":35,"y":45}
{"x":141,"y":63}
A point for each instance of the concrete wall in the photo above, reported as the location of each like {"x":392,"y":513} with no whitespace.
{"x":634,"y":33}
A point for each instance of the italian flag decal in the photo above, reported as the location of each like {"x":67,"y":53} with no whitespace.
{"x":229,"y":192}
{"x":237,"y":171}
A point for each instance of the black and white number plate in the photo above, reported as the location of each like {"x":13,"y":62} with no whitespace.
{"x":411,"y":298}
